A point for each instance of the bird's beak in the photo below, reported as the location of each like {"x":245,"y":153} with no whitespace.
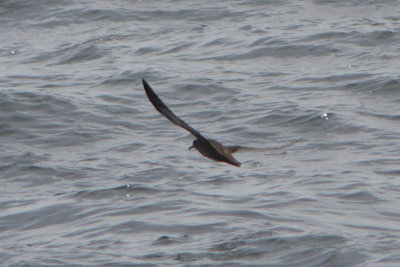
{"x":191,"y":147}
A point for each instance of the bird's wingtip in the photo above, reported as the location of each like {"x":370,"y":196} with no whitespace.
{"x":146,"y":85}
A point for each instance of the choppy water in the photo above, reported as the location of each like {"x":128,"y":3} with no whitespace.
{"x":92,"y":175}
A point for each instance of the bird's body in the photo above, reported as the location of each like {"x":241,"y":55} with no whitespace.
{"x":207,"y":147}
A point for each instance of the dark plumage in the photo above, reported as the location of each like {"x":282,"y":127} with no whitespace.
{"x":207,"y":147}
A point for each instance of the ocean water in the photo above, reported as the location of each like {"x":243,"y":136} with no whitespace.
{"x":92,"y":175}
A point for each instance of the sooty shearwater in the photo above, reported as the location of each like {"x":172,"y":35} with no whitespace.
{"x":207,"y":147}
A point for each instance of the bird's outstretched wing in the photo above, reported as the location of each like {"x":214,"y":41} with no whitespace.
{"x":234,"y":149}
{"x":164,"y":110}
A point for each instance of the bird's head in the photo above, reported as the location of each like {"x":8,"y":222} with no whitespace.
{"x":195,"y":143}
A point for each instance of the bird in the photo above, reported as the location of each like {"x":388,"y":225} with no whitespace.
{"x":207,"y":147}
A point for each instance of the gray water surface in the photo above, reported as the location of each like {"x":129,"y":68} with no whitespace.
{"x":92,"y":175}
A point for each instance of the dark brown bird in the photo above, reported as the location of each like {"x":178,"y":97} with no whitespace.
{"x":207,"y":147}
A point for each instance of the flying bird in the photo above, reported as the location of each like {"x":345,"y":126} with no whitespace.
{"x":207,"y":147}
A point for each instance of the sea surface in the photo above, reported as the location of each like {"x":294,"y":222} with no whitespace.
{"x":92,"y":175}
